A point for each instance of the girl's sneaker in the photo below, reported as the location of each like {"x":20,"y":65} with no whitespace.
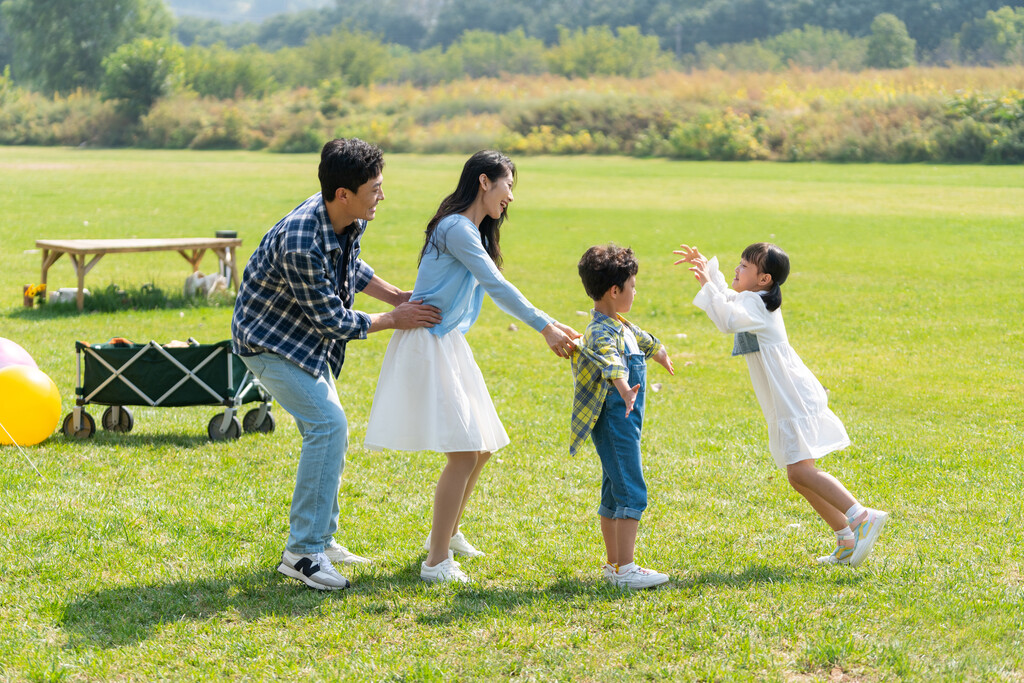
{"x":866,"y":533}
{"x":458,"y":545}
{"x":446,"y":571}
{"x":636,"y":577}
{"x":608,"y":573}
{"x":841,"y":555}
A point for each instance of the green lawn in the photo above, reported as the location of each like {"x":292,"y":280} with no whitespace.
{"x":151,"y":554}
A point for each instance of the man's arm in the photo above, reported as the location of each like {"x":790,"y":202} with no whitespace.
{"x":385,"y":291}
{"x":405,"y":316}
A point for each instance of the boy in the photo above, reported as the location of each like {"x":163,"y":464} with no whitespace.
{"x":610,"y":373}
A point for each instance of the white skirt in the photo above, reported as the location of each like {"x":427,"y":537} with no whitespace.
{"x":431,"y":396}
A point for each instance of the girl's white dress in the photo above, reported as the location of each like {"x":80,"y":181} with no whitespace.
{"x":431,"y":395}
{"x":795,"y":405}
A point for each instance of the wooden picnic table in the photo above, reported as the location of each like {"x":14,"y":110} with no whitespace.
{"x":192,"y":248}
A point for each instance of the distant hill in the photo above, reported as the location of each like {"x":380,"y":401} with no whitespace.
{"x":231,"y":11}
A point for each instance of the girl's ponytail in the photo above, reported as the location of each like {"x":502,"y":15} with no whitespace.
{"x":771,"y":260}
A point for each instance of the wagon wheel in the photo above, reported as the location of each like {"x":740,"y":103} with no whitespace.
{"x":87,"y":429}
{"x":249,"y":422}
{"x":234,"y":429}
{"x":125,"y":420}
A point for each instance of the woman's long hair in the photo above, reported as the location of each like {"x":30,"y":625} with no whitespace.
{"x":495,"y":165}
{"x":770,"y":259}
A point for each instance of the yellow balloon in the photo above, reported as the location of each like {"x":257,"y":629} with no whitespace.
{"x":29,"y":405}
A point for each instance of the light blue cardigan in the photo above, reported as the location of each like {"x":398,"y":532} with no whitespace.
{"x":454,"y":274}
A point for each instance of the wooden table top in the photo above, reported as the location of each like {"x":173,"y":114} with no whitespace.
{"x":111,"y":246}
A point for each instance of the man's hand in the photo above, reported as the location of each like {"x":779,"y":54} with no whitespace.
{"x":406,"y":316}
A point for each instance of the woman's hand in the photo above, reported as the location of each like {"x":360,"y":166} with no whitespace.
{"x":560,"y":338}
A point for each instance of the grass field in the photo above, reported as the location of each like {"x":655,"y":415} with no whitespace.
{"x":151,"y":555}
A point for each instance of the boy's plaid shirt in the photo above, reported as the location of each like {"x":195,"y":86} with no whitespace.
{"x":596,"y":362}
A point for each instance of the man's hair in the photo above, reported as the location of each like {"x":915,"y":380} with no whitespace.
{"x":605,"y":266}
{"x":348,"y":163}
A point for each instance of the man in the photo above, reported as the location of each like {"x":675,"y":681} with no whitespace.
{"x":292,"y":319}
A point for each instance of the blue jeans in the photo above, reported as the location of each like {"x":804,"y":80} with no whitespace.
{"x":617,"y":439}
{"x":314,"y":404}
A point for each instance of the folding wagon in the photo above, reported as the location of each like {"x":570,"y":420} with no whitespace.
{"x":122,"y":373}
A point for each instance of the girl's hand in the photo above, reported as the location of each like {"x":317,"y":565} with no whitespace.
{"x":689,"y":254}
{"x":662,"y":357}
{"x":699,"y":264}
{"x":560,"y":341}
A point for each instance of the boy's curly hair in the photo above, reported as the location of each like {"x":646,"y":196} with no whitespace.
{"x":605,"y":266}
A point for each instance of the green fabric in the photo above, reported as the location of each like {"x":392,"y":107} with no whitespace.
{"x":154,"y":374}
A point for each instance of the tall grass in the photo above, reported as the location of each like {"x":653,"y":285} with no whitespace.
{"x":151,"y":554}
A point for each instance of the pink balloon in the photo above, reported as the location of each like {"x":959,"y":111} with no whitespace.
{"x":12,"y":354}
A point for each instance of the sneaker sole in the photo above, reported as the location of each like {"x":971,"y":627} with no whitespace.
{"x":295,"y":574}
{"x":641,"y":588}
{"x":869,"y":542}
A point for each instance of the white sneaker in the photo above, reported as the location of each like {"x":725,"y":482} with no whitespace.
{"x":446,"y":571}
{"x":459,"y":545}
{"x":866,"y":534}
{"x":339,"y":553}
{"x":608,"y":573}
{"x":315,"y":570}
{"x":634,"y":576}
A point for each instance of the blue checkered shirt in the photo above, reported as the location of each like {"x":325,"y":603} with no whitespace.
{"x":597,"y":361}
{"x":297,"y":291}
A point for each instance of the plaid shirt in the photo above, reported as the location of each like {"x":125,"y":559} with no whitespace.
{"x":297,"y":291}
{"x":596,"y":362}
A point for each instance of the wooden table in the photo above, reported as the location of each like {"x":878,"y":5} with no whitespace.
{"x":192,"y":248}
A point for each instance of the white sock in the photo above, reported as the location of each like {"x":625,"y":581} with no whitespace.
{"x":844,"y":534}
{"x":626,"y":568}
{"x":854,"y":512}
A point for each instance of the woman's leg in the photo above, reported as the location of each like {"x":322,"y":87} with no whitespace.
{"x":481,"y":460}
{"x":449,"y":500}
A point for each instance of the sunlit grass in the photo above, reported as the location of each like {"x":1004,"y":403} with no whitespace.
{"x":151,"y":554}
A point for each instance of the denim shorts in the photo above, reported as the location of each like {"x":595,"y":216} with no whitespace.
{"x":617,"y":440}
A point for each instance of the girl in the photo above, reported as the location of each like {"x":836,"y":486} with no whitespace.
{"x":430,"y":394}
{"x":801,"y":428}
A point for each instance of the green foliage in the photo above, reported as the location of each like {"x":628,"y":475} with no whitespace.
{"x":60,"y":45}
{"x":997,"y":38}
{"x":890,"y":46}
{"x":218,"y":72}
{"x":139,"y":73}
{"x":353,"y":57}
{"x":597,"y":51}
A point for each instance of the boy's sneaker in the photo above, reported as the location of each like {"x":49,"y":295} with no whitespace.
{"x":608,"y":573}
{"x":865,"y":535}
{"x":339,"y":553}
{"x":314,"y":570}
{"x":636,"y":577}
{"x":446,"y":571}
{"x":841,"y":555}
{"x":458,"y":545}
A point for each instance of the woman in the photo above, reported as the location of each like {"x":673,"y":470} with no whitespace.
{"x":431,"y":394}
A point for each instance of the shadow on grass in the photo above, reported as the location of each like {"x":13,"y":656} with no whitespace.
{"x":115,"y":617}
{"x":152,"y":440}
{"x":764,"y":574}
